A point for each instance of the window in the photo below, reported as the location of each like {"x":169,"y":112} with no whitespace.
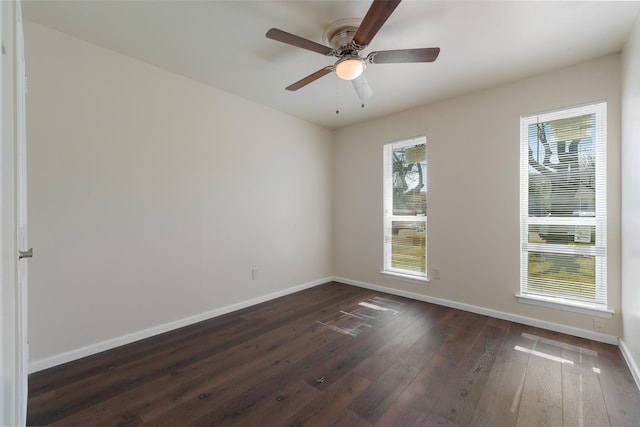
{"x":405,"y":208}
{"x":563,"y":208}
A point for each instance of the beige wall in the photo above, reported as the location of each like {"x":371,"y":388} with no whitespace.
{"x":631,"y":199}
{"x":473,"y":222}
{"x":152,"y":197}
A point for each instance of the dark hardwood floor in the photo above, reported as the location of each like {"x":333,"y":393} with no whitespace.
{"x":337,"y":355}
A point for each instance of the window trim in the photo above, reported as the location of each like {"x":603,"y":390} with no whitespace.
{"x":597,"y":310}
{"x":406,"y":277}
{"x":599,"y":250}
{"x":388,"y":218}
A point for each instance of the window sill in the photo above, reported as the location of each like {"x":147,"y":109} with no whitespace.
{"x":405,"y":277}
{"x":566,"y":305}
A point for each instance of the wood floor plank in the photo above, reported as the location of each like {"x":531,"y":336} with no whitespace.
{"x":619,"y":390}
{"x":157,"y":397}
{"x":241,"y":407}
{"x":541,"y":402}
{"x":438,"y":422}
{"x":500,"y":400}
{"x":460,"y":398}
{"x":583,"y":403}
{"x":460,"y":341}
{"x":250,"y":366}
{"x":258,"y":410}
{"x":257,"y":382}
{"x":379,"y":396}
{"x":346,"y":356}
{"x":349,"y":419}
{"x":361,"y":348}
{"x":422,"y":394}
{"x":280,"y":404}
{"x":396,"y":417}
{"x":386,"y":356}
{"x":331,"y":404}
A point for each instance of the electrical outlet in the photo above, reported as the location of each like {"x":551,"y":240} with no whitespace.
{"x":435,"y":273}
{"x":599,"y":325}
{"x":255,"y":274}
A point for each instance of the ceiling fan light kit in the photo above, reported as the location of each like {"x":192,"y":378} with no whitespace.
{"x":349,"y":68}
{"x":347,"y":38}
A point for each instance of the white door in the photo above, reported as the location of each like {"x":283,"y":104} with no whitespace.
{"x":23,"y":245}
{"x":13,"y":263}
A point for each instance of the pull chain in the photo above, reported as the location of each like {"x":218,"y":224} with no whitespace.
{"x":337,"y":97}
{"x":362,"y":91}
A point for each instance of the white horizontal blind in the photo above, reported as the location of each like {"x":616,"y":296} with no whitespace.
{"x":405,"y":207}
{"x":563,"y":205}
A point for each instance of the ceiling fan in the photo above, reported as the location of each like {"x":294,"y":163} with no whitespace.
{"x":348,"y":39}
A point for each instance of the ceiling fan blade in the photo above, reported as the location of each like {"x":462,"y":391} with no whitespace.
{"x":361,"y":85}
{"x":293,"y":40}
{"x":310,"y":78}
{"x":428,"y":54}
{"x":375,"y":18}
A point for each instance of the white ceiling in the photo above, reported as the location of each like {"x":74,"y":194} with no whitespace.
{"x":223,"y":44}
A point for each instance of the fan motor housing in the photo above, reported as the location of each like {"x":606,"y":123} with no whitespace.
{"x":339,"y":35}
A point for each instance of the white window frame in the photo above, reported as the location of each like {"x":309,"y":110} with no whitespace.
{"x":389,"y":217}
{"x":598,"y":307}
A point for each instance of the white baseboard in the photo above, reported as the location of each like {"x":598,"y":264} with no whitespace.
{"x":38,"y":365}
{"x":58,"y":359}
{"x":557,"y":327}
{"x":633,"y":365}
